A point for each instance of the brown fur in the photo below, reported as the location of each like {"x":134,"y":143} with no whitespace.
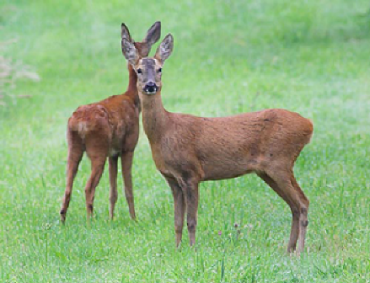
{"x":188,"y":150}
{"x":107,"y":129}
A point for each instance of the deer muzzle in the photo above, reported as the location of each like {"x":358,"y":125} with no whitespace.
{"x":150,"y":88}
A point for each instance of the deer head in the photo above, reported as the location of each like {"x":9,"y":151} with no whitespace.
{"x":148,"y":70}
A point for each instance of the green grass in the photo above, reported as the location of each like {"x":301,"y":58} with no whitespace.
{"x":230,"y":57}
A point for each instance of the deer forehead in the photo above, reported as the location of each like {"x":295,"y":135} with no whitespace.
{"x":148,"y":63}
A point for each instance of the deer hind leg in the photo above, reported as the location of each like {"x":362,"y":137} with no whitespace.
{"x":303,"y":221}
{"x":179,"y":208}
{"x":289,"y":190}
{"x":97,"y":150}
{"x":75,"y":152}
{"x":113,"y":184}
{"x":294,"y":232}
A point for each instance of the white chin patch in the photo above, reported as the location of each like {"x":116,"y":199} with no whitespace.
{"x":151,"y":92}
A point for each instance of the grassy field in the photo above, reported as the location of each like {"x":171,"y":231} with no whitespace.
{"x":312,"y":57}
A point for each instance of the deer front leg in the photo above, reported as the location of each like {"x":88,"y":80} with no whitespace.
{"x":126,"y":161}
{"x":179,"y":208}
{"x":191,"y":197}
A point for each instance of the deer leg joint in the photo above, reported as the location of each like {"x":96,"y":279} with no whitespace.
{"x":191,"y":226}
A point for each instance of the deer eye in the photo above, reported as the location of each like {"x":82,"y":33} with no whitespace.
{"x":139,"y":71}
{"x":160,"y":70}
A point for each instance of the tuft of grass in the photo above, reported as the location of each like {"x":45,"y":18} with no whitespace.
{"x":229,"y":57}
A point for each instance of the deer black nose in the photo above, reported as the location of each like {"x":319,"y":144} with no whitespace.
{"x":150,"y":87}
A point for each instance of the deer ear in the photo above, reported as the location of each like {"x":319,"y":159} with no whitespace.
{"x":129,"y":51}
{"x":153,"y":34}
{"x":165,"y":49}
{"x":125,"y":33}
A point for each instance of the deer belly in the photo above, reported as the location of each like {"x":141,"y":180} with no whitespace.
{"x":226,"y":169}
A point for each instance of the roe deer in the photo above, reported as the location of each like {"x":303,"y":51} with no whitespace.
{"x":109,"y":128}
{"x":188,"y":149}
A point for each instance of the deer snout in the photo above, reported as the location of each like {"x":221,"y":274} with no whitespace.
{"x":150,"y":88}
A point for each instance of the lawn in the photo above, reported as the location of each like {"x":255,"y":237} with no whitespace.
{"x":230,"y":57}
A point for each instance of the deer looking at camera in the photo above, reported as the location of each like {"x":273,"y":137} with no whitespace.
{"x":188,"y":149}
{"x":109,"y":128}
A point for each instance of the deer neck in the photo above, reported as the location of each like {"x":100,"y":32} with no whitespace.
{"x":155,"y":117}
{"x":131,"y":91}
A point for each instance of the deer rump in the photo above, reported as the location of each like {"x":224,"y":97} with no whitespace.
{"x":110,"y":127}
{"x":89,"y":118}
{"x":228,"y":147}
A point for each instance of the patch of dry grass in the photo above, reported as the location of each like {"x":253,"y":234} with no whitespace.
{"x":10,"y":72}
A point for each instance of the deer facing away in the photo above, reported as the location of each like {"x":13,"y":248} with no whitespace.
{"x":109,"y":128}
{"x":188,"y":149}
